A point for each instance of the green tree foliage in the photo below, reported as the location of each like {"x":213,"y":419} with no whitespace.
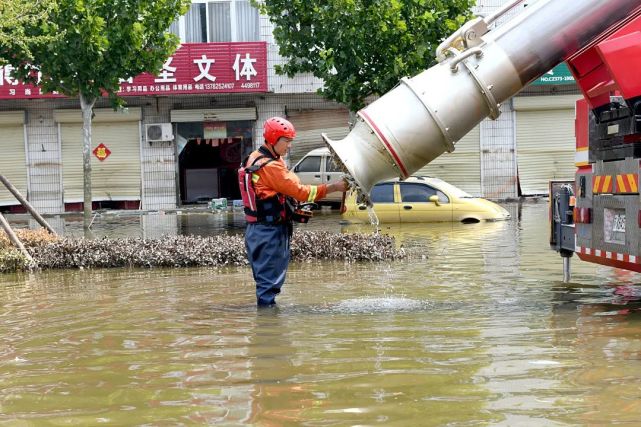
{"x":102,"y":42}
{"x":94,"y":44}
{"x":16,"y":17}
{"x":361,"y":47}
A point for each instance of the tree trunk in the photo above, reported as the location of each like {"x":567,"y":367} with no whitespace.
{"x":87,"y":111}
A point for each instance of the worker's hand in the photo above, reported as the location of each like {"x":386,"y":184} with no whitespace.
{"x":341,"y":186}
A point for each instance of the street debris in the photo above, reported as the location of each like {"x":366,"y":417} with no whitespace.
{"x":51,"y":252}
{"x":323,"y":245}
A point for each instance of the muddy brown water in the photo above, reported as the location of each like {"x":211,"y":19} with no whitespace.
{"x":480,"y":332}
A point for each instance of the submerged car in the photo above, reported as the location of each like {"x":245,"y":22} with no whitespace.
{"x":421,"y":199}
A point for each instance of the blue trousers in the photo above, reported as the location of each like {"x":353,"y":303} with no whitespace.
{"x":268,"y":253}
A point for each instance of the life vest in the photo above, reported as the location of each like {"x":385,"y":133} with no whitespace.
{"x":271,"y":210}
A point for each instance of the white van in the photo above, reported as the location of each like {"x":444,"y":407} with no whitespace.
{"x":318,"y":167}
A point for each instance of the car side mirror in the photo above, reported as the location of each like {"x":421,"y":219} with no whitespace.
{"x":296,"y":168}
{"x":434,"y":199}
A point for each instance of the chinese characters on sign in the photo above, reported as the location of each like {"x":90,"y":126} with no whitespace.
{"x":101,"y":152}
{"x":195,"y":68}
{"x":12,"y":88}
{"x":206,"y":68}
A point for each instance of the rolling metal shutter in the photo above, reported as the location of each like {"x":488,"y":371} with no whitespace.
{"x":115,"y":178}
{"x":545,"y":142}
{"x":13,"y":162}
{"x":462,"y":167}
{"x":310,"y":124}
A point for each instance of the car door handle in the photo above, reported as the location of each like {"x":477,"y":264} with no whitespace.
{"x":406,"y":207}
{"x":317,"y":176}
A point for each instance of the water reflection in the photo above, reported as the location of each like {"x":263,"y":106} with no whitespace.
{"x":607,"y":321}
{"x":147,"y":226}
{"x":476,"y":329}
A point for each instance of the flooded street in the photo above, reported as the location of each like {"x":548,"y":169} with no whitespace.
{"x":482,"y":331}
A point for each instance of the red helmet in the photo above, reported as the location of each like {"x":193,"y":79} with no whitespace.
{"x":277,"y":127}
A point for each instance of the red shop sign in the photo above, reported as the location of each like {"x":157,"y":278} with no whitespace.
{"x":195,"y":68}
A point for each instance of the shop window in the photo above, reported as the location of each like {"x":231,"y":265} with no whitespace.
{"x":218,"y":21}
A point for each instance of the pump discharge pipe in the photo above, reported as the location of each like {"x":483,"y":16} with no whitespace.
{"x":478,"y":69}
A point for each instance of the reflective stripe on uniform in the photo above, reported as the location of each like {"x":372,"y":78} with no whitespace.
{"x":312,"y":193}
{"x":250,"y":198}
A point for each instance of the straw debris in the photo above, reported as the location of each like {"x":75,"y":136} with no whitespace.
{"x":12,"y":259}
{"x":323,"y":245}
{"x":171,"y":251}
{"x":51,"y":252}
{"x":29,"y":238}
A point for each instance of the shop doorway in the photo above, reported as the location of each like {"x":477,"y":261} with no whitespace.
{"x":208,"y":158}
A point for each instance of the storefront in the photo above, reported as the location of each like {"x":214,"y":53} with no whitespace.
{"x":192,"y":159}
{"x":115,"y":159}
{"x":545,"y":143}
{"x":13,"y":162}
{"x":210,"y":145}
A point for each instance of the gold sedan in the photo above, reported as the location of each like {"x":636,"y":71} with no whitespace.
{"x":421,"y":199}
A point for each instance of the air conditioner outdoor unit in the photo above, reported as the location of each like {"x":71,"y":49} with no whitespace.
{"x":159,"y":132}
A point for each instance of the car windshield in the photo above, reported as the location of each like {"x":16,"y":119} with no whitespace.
{"x":309,"y":164}
{"x":450,"y":189}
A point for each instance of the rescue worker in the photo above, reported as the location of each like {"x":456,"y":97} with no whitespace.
{"x":265,"y":183}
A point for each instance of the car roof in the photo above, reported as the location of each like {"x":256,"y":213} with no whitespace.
{"x":318,"y":151}
{"x":416,"y":178}
{"x":437,"y":183}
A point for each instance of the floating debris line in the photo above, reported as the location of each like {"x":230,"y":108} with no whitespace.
{"x":313,"y":245}
{"x":190,"y":251}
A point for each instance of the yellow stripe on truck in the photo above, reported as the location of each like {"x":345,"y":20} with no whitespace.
{"x":632,"y":181}
{"x":621,"y":184}
{"x":597,"y":184}
{"x":607,"y":184}
{"x":627,"y":183}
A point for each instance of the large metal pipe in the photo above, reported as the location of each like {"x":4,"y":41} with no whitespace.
{"x":426,"y":115}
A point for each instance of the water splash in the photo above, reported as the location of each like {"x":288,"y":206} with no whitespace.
{"x":373,"y":218}
{"x":379,"y":305}
{"x":362,"y":197}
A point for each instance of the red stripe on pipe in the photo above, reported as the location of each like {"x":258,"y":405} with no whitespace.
{"x":386,"y":142}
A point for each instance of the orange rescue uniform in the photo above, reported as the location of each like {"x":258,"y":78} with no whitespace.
{"x":274,"y":178}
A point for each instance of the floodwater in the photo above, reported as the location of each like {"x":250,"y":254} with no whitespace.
{"x":481,"y":330}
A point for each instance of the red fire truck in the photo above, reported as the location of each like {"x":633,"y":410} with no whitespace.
{"x":599,"y":216}
{"x":482,"y":65}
